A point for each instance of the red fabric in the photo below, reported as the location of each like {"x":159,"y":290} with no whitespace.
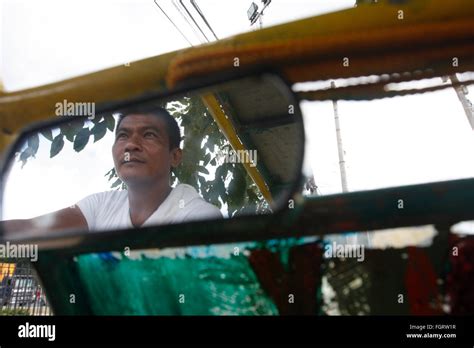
{"x":302,"y":280}
{"x":421,"y":284}
{"x":460,"y":279}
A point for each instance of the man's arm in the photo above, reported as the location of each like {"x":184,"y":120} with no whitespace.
{"x":68,"y":218}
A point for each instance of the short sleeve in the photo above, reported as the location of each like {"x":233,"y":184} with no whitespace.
{"x":88,"y":207}
{"x":201,"y":210}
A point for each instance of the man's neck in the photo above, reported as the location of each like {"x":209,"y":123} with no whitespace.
{"x":145,"y":199}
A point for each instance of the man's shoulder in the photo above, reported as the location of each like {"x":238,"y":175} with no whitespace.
{"x":185,"y":189}
{"x":108,"y":196}
{"x":193,"y":205}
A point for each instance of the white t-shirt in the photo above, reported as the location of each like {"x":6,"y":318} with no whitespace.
{"x":110,"y":210}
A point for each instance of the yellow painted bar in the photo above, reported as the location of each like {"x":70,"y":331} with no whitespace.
{"x":227,"y":128}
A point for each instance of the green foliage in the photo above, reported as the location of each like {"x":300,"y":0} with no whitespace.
{"x":99,"y":130}
{"x":57,"y":145}
{"x":48,"y":134}
{"x":117,"y":183}
{"x":75,"y":132}
{"x":231,"y":184}
{"x":110,"y":122}
{"x":81,"y":139}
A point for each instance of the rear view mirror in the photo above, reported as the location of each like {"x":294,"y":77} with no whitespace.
{"x":241,"y":142}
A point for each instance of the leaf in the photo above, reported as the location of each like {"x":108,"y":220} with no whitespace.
{"x":81,"y":140}
{"x":48,"y":134}
{"x":253,"y":198}
{"x":96,"y":119}
{"x":33,"y":143}
{"x":202,"y":182}
{"x":116,"y":183}
{"x":214,"y":197}
{"x":219,"y":188}
{"x":237,"y":188}
{"x":109,"y":172}
{"x":207,"y":158}
{"x":24,"y":156}
{"x":71,"y":129}
{"x":110,"y":122}
{"x":99,"y":131}
{"x":203,"y":170}
{"x":57,"y":145}
{"x":221,"y":171}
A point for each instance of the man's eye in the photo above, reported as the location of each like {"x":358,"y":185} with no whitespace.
{"x":121,"y":135}
{"x":150,"y":135}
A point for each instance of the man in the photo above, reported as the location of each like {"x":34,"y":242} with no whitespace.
{"x":145,"y":150}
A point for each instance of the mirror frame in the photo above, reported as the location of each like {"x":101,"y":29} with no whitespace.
{"x":76,"y":238}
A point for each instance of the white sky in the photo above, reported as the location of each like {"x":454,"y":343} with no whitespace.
{"x":389,"y":142}
{"x":47,"y":184}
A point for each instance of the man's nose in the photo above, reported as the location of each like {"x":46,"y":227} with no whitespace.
{"x":133,"y":144}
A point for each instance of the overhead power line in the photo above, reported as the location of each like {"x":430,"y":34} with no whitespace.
{"x":196,"y":33}
{"x":156,"y":3}
{"x":193,"y":2}
{"x":194,"y":21}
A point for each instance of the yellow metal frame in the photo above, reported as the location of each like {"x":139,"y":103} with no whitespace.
{"x":228,"y":129}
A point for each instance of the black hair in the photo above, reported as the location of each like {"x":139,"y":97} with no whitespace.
{"x":172,"y":128}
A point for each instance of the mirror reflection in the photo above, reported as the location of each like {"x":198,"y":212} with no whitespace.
{"x":228,"y":150}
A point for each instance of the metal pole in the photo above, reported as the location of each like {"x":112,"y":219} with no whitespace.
{"x":361,"y":238}
{"x":342,"y":163}
{"x":466,"y":104}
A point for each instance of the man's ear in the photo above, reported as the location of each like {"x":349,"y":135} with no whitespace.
{"x":176,"y":157}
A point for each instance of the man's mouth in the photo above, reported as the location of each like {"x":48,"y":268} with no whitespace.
{"x":133,"y":160}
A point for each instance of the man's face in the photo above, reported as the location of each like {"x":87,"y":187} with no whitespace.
{"x":141,"y":150}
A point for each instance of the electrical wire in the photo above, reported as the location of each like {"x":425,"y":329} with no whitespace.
{"x":192,"y":18}
{"x":156,"y":3}
{"x":196,"y":33}
{"x":193,"y":2}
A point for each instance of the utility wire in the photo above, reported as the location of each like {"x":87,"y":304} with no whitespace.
{"x":196,"y":33}
{"x":156,"y":3}
{"x":193,"y":2}
{"x":192,"y":18}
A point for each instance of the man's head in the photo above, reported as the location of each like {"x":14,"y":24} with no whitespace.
{"x":146,"y":146}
